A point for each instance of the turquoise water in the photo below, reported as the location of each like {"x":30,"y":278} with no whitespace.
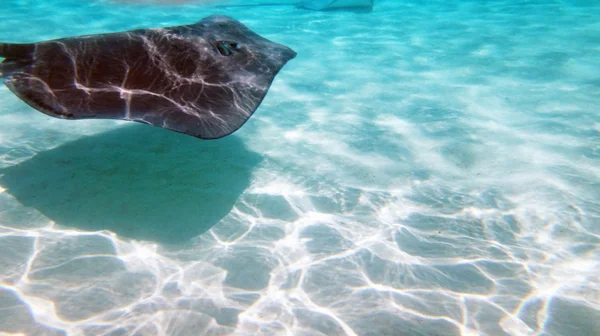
{"x":427,"y":168}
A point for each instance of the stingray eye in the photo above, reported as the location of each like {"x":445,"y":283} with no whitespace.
{"x":227,"y":48}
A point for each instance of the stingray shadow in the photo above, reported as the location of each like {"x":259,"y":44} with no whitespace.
{"x":138,"y":181}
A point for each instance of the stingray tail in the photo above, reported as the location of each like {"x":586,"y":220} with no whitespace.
{"x":14,"y":55}
{"x":16,"y":50}
{"x":7,"y":68}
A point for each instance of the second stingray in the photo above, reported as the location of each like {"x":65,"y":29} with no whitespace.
{"x":204,"y":79}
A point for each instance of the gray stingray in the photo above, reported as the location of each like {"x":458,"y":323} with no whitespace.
{"x":204,"y":79}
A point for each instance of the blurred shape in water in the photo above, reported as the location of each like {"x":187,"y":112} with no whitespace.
{"x":321,"y":5}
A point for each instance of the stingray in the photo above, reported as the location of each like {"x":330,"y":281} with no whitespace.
{"x":204,"y":79}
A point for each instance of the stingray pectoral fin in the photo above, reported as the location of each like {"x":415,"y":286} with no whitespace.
{"x":220,"y":111}
{"x":36,"y":94}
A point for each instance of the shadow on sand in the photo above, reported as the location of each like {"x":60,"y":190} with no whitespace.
{"x":138,"y":181}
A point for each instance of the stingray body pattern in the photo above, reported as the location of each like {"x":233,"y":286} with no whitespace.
{"x":204,"y":79}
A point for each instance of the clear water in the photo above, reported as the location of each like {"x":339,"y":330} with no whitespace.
{"x":429,"y":168}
